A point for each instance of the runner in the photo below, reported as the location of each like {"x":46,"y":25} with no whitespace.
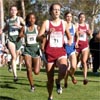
{"x":13,"y":25}
{"x":31,"y":51}
{"x":54,"y":49}
{"x":71,"y":49}
{"x":83,"y":30}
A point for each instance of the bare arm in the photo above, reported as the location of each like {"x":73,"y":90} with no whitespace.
{"x":41,"y":34}
{"x":89,"y":32}
{"x":68,"y":34}
{"x":22,"y":21}
{"x":38,"y":28}
{"x":21,"y":33}
{"x":76,"y":36}
{"x":5,"y":28}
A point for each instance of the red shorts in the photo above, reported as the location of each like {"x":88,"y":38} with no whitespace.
{"x":52,"y":54}
{"x":82,"y":45}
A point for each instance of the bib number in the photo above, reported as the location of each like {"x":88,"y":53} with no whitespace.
{"x":31,"y":38}
{"x":56,"y":39}
{"x":82,"y":37}
{"x":13,"y":32}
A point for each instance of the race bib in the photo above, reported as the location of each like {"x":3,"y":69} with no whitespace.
{"x":56,"y":39}
{"x":82,"y":37}
{"x":13,"y":32}
{"x":31,"y":38}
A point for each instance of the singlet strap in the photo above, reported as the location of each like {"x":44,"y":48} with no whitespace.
{"x":35,"y":27}
{"x":47,"y":25}
{"x":63,"y":23}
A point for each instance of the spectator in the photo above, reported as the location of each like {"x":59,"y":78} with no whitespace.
{"x":95,"y":51}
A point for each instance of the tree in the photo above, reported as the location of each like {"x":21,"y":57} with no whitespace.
{"x":90,"y":7}
{"x":23,"y":8}
{"x":1,"y":21}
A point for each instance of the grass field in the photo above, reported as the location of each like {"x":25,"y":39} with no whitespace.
{"x":21,"y":90}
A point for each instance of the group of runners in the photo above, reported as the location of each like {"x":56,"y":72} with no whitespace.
{"x":60,"y":40}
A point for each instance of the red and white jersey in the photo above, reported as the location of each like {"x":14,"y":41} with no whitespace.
{"x":55,"y":40}
{"x":55,"y":34}
{"x":83,"y":32}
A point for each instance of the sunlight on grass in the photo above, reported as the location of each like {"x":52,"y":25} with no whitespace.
{"x":21,"y":90}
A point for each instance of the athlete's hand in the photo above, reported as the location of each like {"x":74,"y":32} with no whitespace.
{"x":88,"y":32}
{"x":76,"y":45}
{"x":70,"y":42}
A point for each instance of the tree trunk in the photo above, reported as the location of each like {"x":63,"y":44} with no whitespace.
{"x":2,"y":37}
{"x":23,"y":8}
{"x":92,"y":24}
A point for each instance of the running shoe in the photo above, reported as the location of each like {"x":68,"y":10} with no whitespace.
{"x":9,"y":69}
{"x":32,"y":89}
{"x":59,"y":88}
{"x":50,"y":98}
{"x":15,"y":79}
{"x":85,"y":81}
{"x":74,"y":81}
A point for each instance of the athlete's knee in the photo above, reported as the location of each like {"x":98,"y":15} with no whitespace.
{"x":84,"y":61}
{"x":50,"y":80}
{"x":63,"y":68}
{"x":36,"y":72}
{"x":13,"y":57}
{"x":29,"y":68}
{"x":74,"y":68}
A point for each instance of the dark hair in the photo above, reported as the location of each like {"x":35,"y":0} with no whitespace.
{"x":27,"y":18}
{"x":95,"y":33}
{"x":81,"y":14}
{"x":66,"y":13}
{"x":52,"y":5}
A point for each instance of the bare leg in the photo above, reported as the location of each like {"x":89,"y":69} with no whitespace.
{"x":36,"y":63}
{"x":28,"y":62}
{"x":73,"y":67}
{"x":50,"y":77}
{"x":62,"y":65}
{"x":84,"y":63}
{"x":12,"y":50}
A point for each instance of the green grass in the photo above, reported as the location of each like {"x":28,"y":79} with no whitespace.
{"x":21,"y":90}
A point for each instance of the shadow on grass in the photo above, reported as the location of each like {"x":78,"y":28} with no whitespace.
{"x":38,"y":85}
{"x":9,"y":82}
{"x":90,"y":74}
{"x":4,"y":76}
{"x":7,"y":86}
{"x":6,"y":98}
